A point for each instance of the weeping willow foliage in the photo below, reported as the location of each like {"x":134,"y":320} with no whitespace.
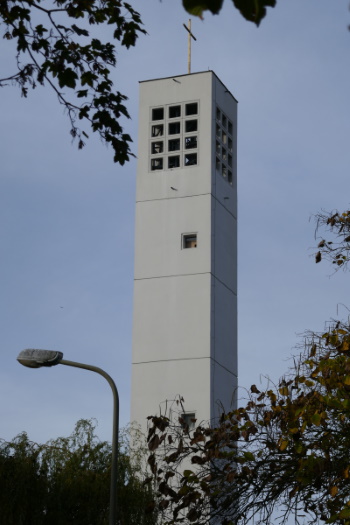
{"x":67,"y":480}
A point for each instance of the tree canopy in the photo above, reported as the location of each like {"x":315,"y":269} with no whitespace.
{"x":285,"y":450}
{"x":67,"y":480}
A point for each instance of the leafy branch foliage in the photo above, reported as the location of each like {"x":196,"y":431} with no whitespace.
{"x":286,"y":448}
{"x":337,"y":250}
{"x":67,"y":480}
{"x":53,"y":49}
{"x":252,"y":10}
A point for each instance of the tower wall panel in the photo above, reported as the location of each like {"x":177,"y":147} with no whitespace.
{"x":172,"y":318}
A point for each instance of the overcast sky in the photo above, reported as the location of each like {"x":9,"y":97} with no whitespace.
{"x":67,"y":216}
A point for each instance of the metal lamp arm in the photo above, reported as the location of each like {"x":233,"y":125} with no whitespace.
{"x":115,"y":445}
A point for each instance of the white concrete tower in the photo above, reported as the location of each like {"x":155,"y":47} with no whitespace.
{"x":185,"y":289}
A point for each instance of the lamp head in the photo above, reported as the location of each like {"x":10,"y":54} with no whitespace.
{"x":34,"y":358}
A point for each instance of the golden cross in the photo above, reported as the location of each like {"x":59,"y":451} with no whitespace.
{"x":190,"y":35}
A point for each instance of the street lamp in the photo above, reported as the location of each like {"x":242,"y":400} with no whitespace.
{"x":33,"y":358}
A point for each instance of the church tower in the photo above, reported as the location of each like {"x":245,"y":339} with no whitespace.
{"x":185,"y":288}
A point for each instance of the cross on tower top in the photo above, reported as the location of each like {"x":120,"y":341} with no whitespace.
{"x":190,"y":35}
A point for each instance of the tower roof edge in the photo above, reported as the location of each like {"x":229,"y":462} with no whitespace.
{"x":191,"y":74}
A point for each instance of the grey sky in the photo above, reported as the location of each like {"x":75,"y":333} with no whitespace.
{"x":67,"y":217}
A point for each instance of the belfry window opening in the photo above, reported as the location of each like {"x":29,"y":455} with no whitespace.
{"x":177,"y":127}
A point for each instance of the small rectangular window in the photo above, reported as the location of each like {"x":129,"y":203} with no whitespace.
{"x":230,"y":128}
{"x":230,"y":145}
{"x":191,"y":142}
{"x":224,"y":154}
{"x":224,"y":171}
{"x":218,"y":147}
{"x":156,"y":164}
{"x":218,"y":131}
{"x":218,"y":164}
{"x":191,"y":125}
{"x":157,"y":130}
{"x":192,"y":109}
{"x":189,"y":240}
{"x":174,"y":111}
{"x":157,"y":147}
{"x":174,"y":162}
{"x":157,"y":113}
{"x":174,"y":145}
{"x":174,"y":128}
{"x":218,"y":114}
{"x":224,"y":120}
{"x":224,"y":137}
{"x":188,"y":421}
{"x":229,"y":162}
{"x":229,"y":176}
{"x":191,"y":159}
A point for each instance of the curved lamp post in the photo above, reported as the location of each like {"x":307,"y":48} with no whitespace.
{"x":33,"y":358}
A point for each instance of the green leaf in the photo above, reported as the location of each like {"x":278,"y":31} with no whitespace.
{"x":67,"y":78}
{"x":40,"y":29}
{"x":196,"y":7}
{"x":79,"y":31}
{"x":345,"y":513}
{"x":316,"y":419}
{"x":82,"y":93}
{"x":253,"y":10}
{"x":88,"y":78}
